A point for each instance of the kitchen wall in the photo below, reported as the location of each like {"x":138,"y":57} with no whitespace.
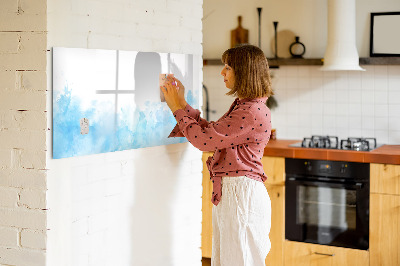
{"x":343,"y":103}
{"x":134,"y":207}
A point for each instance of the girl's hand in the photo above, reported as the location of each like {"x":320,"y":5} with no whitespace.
{"x":181,"y":91}
{"x":171,"y":96}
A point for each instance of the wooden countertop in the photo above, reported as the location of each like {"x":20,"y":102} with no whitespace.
{"x":389,"y":154}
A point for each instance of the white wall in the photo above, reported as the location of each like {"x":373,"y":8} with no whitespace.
{"x":23,"y":133}
{"x":305,"y":18}
{"x":311,"y":102}
{"x":135,"y":207}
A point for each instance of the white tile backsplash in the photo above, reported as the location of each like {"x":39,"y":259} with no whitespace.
{"x":382,"y":136}
{"x":291,"y":71}
{"x":381,"y":96}
{"x":394,"y":110}
{"x":343,"y":103}
{"x":380,"y":84}
{"x":367,"y":96}
{"x":381,"y":122}
{"x":292,"y":83}
{"x":381,"y":71}
{"x":367,"y":109}
{"x":394,"y":137}
{"x":355,"y":109}
{"x":381,"y":110}
{"x":394,"y":123}
{"x":368,"y":123}
{"x":355,"y":96}
{"x":342,"y":109}
{"x":394,"y":97}
{"x":329,"y":109}
{"x":394,"y":82}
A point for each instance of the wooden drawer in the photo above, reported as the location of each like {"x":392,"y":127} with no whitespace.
{"x":304,"y":254}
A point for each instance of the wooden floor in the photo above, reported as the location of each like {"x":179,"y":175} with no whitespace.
{"x":206,"y":261}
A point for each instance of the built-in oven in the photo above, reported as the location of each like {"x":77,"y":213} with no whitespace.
{"x":327,"y":202}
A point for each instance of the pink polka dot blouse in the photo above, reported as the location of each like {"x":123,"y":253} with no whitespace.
{"x":238,"y":139}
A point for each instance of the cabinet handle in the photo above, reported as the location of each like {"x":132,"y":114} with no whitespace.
{"x":325,"y":254}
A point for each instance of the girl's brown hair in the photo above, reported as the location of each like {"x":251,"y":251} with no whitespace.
{"x":250,"y":66}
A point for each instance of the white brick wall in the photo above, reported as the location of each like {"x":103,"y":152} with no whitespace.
{"x":135,"y":207}
{"x":23,"y":128}
{"x":100,"y":205}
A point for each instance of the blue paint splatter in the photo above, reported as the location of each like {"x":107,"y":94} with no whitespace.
{"x":150,"y":126}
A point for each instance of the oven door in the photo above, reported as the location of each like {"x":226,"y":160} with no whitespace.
{"x":327,"y":213}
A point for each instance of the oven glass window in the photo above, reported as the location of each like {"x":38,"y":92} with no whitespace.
{"x":327,"y":207}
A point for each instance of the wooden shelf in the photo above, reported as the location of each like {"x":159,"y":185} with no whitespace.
{"x":380,"y":61}
{"x":273,"y":63}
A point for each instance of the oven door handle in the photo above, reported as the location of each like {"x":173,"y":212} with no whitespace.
{"x":357,"y":185}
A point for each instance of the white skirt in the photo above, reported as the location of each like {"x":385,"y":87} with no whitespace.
{"x":241,"y":223}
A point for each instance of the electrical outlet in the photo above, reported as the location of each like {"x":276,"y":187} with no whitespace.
{"x":84,"y":126}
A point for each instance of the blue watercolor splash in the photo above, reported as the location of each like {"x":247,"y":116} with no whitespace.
{"x":150,"y":126}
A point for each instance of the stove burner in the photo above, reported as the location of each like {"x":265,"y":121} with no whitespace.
{"x":332,"y":142}
{"x":358,"y":144}
{"x":328,"y":142}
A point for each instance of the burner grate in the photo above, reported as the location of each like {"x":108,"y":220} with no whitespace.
{"x":327,"y":142}
{"x":332,"y":142}
{"x":358,"y":144}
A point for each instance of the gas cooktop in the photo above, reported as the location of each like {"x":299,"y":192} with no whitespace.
{"x":332,"y":142}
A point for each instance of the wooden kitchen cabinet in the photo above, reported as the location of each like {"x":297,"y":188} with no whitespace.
{"x":274,"y":168}
{"x":384,"y":236}
{"x":277,"y":233}
{"x":206,"y":225}
{"x":385,"y":178}
{"x":305,"y":254}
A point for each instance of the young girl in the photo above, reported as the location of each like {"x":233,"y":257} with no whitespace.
{"x":242,"y":209}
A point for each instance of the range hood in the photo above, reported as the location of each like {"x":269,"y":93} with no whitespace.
{"x":341,"y":51}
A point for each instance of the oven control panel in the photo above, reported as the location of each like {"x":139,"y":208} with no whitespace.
{"x":338,"y":169}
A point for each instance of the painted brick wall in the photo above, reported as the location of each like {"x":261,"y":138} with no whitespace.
{"x":23,"y":128}
{"x":135,"y":207}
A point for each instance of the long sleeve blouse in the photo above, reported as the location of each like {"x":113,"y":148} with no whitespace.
{"x":238,"y":139}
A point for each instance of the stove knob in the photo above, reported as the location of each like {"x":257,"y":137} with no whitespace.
{"x":308,"y":166}
{"x":343,"y":168}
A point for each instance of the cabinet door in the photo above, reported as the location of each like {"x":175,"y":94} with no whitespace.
{"x":304,"y":254}
{"x":277,"y":233}
{"x":385,"y":178}
{"x":206,"y":226}
{"x":274,"y":168}
{"x":384,"y":230}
